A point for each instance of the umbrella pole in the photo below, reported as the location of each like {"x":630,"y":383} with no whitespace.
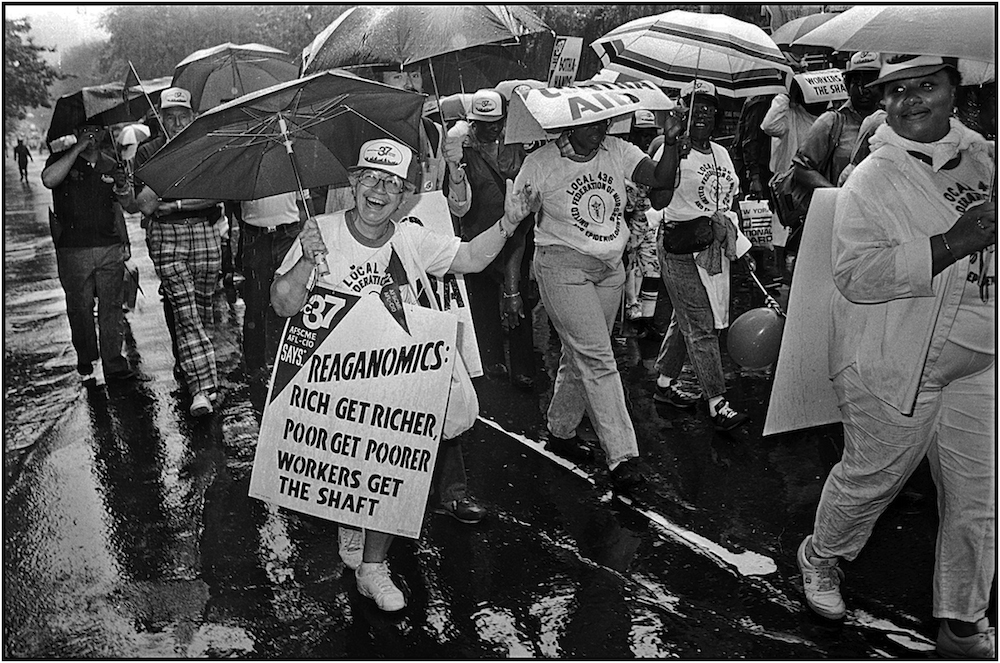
{"x":322,"y":269}
{"x":437,"y":92}
{"x":156,"y":114}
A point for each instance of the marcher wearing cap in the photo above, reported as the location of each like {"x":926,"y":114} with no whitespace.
{"x":578,"y":181}
{"x":499,"y":296}
{"x":828,"y":146}
{"x":361,"y":240}
{"x":913,"y":350}
{"x":185,"y":248}
{"x":707,"y":186}
{"x":91,"y":244}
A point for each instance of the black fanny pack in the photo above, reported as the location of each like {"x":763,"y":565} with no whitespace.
{"x":688,"y":236}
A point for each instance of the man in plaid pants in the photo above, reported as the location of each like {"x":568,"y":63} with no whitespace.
{"x":184,"y":246}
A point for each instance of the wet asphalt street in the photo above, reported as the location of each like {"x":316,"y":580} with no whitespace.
{"x":128,"y":532}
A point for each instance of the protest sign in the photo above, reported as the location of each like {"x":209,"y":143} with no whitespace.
{"x":354,"y":412}
{"x":821,"y":86}
{"x":756,"y":217}
{"x":802,"y":395}
{"x":431,"y":211}
{"x":565,"y":61}
{"x":536,"y":114}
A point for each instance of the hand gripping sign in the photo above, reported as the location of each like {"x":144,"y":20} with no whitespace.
{"x":355,"y":410}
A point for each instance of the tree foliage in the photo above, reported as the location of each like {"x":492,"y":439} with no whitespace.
{"x":26,"y":75}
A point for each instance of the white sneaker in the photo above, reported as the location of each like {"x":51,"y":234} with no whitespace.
{"x":821,"y":578}
{"x":201,"y":405}
{"x":352,"y":546}
{"x":375,"y":583}
{"x":980,"y":645}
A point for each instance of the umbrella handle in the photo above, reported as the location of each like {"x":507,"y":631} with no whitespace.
{"x":319,"y":260}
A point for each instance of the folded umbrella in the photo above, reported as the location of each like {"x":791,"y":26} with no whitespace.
{"x":221,"y":73}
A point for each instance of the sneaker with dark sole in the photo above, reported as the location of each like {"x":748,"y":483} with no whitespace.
{"x":465,"y":510}
{"x":726,"y":418}
{"x":628,"y":474}
{"x":978,"y":645}
{"x":574,"y":448}
{"x":676,"y":397}
{"x":821,"y":578}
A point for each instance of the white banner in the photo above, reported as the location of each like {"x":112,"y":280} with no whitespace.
{"x":565,"y":61}
{"x":533,"y":114}
{"x":354,"y":412}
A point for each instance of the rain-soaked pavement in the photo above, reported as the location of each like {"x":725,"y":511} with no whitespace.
{"x":128,"y":532}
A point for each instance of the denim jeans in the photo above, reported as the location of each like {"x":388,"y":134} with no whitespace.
{"x":692,"y":328}
{"x":262,"y":253}
{"x":87,"y":272}
{"x":952,"y":425}
{"x":581,"y":295}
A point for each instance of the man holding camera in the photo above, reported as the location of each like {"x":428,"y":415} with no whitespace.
{"x":88,"y":229}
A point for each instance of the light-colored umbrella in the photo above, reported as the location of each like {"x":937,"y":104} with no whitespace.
{"x":403,"y":34}
{"x":222,"y":73}
{"x":676,"y":47}
{"x":961,"y":31}
{"x":539,"y":114}
{"x":797,"y":27}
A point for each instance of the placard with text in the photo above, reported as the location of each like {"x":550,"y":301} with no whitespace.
{"x":354,"y":412}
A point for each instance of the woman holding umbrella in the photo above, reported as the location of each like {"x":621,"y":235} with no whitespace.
{"x":913,"y":349}
{"x":366,"y":236}
{"x":578,"y":184}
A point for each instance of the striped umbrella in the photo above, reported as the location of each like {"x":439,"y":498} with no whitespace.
{"x":676,"y":47}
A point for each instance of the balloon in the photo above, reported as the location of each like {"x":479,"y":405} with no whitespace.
{"x":755,"y":338}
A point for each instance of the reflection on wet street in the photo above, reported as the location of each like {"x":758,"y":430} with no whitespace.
{"x":129,"y":533}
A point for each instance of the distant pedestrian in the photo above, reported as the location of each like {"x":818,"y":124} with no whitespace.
{"x":184,"y":246}
{"x":91,"y":249}
{"x":22,"y":154}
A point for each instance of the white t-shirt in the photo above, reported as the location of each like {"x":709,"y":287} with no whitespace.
{"x":708,"y":183}
{"x":358,"y":269}
{"x":271,"y":211}
{"x":583,"y":203}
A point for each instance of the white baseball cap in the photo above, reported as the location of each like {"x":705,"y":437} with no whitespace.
{"x":487,"y":106}
{"x":864,"y":61}
{"x":644,"y":119}
{"x":175,"y":96}
{"x":386,"y":155}
{"x":699,"y":86}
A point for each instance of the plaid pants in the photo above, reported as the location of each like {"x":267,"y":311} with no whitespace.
{"x":188,"y":259}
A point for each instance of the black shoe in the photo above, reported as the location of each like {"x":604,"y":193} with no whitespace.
{"x":726,"y":418}
{"x":574,"y":448}
{"x":465,"y":510}
{"x":523,"y":382}
{"x":675,"y":396}
{"x":120,"y":376}
{"x":628,"y":474}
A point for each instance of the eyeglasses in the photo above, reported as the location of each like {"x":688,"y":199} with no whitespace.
{"x":391,"y":183}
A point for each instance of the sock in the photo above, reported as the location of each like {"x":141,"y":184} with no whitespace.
{"x":714,"y":403}
{"x":664,"y":381}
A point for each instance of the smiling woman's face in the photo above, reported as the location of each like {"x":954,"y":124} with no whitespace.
{"x":374,"y":203}
{"x":919,"y":109}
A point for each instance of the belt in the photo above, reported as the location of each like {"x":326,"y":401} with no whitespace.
{"x":182,"y":220}
{"x":267,"y":230}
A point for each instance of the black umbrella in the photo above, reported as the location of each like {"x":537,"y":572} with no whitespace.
{"x":288,"y":137}
{"x":227,"y":71}
{"x":107,"y":104}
